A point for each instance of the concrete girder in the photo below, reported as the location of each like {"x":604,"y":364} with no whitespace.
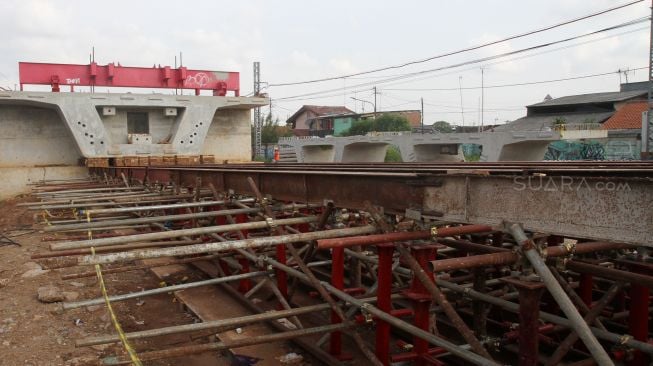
{"x":497,"y":146}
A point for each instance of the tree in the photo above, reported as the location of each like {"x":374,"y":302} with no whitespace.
{"x":271,"y":131}
{"x":386,"y":122}
{"x":443,"y":127}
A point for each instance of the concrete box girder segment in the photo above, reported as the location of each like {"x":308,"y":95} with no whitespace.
{"x":530,"y":145}
{"x":82,"y":113}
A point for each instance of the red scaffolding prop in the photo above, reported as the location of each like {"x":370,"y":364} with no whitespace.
{"x":111,"y":75}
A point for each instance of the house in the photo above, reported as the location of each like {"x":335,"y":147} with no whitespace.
{"x":617,"y":112}
{"x":574,"y":111}
{"x":307,"y":119}
{"x":322,"y":121}
{"x":625,"y":131}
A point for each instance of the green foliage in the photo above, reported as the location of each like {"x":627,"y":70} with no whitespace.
{"x":262,"y":159}
{"x":393,"y":155}
{"x":271,"y":131}
{"x":386,"y":122}
{"x":559,"y":121}
{"x":443,"y":127}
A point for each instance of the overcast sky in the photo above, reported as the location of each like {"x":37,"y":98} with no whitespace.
{"x":305,"y":40}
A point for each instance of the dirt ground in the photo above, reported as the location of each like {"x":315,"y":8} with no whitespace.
{"x":39,"y":334}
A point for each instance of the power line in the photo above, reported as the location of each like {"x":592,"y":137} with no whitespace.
{"x":475,"y":61}
{"x":514,"y":84}
{"x":461,"y":50}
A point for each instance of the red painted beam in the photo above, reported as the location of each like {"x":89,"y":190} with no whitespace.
{"x":111,"y":75}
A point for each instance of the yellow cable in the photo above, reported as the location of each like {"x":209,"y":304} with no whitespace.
{"x":121,"y":334}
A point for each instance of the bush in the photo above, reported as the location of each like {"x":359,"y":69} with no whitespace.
{"x":386,"y":122}
{"x":393,"y":155}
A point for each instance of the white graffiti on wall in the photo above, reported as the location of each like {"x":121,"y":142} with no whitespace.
{"x":72,"y":81}
{"x":200,"y":79}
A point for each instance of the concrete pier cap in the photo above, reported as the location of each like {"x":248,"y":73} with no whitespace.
{"x":54,"y":132}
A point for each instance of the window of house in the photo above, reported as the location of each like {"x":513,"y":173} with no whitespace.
{"x":138,"y":122}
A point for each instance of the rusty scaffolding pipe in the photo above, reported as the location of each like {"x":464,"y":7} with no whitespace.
{"x":401,"y":236}
{"x":504,"y":257}
{"x":178,"y":233}
{"x":223,"y":246}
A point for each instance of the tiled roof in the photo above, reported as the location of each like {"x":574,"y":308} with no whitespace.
{"x":629,"y":116}
{"x":320,"y":110}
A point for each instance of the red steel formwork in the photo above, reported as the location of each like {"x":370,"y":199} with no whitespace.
{"x":112,"y":75}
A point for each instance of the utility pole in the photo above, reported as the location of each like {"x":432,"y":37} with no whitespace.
{"x":258,"y":122}
{"x":647,"y":126}
{"x":482,"y":99}
{"x":422,"y":114}
{"x":374,"y":101}
{"x":462,"y":108}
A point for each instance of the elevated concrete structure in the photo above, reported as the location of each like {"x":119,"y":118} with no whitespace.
{"x":47,"y":135}
{"x":496,"y":146}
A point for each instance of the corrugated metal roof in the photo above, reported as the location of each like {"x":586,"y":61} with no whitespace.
{"x":544,"y":122}
{"x":609,"y":97}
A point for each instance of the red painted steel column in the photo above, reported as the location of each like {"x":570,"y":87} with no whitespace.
{"x":282,"y":276}
{"x":421,"y":300}
{"x":638,"y":321}
{"x":338,"y":281}
{"x":384,"y":301}
{"x":529,"y":319}
{"x":246,"y":284}
{"x":585,"y":289}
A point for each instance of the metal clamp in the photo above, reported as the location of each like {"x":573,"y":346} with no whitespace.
{"x":434,"y":232}
{"x":366,"y":313}
{"x":271,"y":223}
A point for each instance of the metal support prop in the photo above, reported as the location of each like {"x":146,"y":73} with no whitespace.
{"x":638,"y":320}
{"x":338,"y":281}
{"x":529,"y":250}
{"x":530,"y":293}
{"x":591,"y":316}
{"x":311,"y":277}
{"x":384,"y":301}
{"x":420,"y":273}
{"x":454,"y":349}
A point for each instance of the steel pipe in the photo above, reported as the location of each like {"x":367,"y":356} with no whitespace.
{"x":401,"y":236}
{"x":161,"y":207}
{"x":224,"y":246}
{"x":581,"y":327}
{"x":398,"y":323}
{"x":177,"y":233}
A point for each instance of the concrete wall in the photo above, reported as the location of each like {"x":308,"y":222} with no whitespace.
{"x":318,"y":154}
{"x":229,"y":135}
{"x":438,"y":152}
{"x":523,"y":151}
{"x":160,"y":125}
{"x":35,"y":144}
{"x":16,"y":180}
{"x":364,"y":152}
{"x":32,"y":136}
